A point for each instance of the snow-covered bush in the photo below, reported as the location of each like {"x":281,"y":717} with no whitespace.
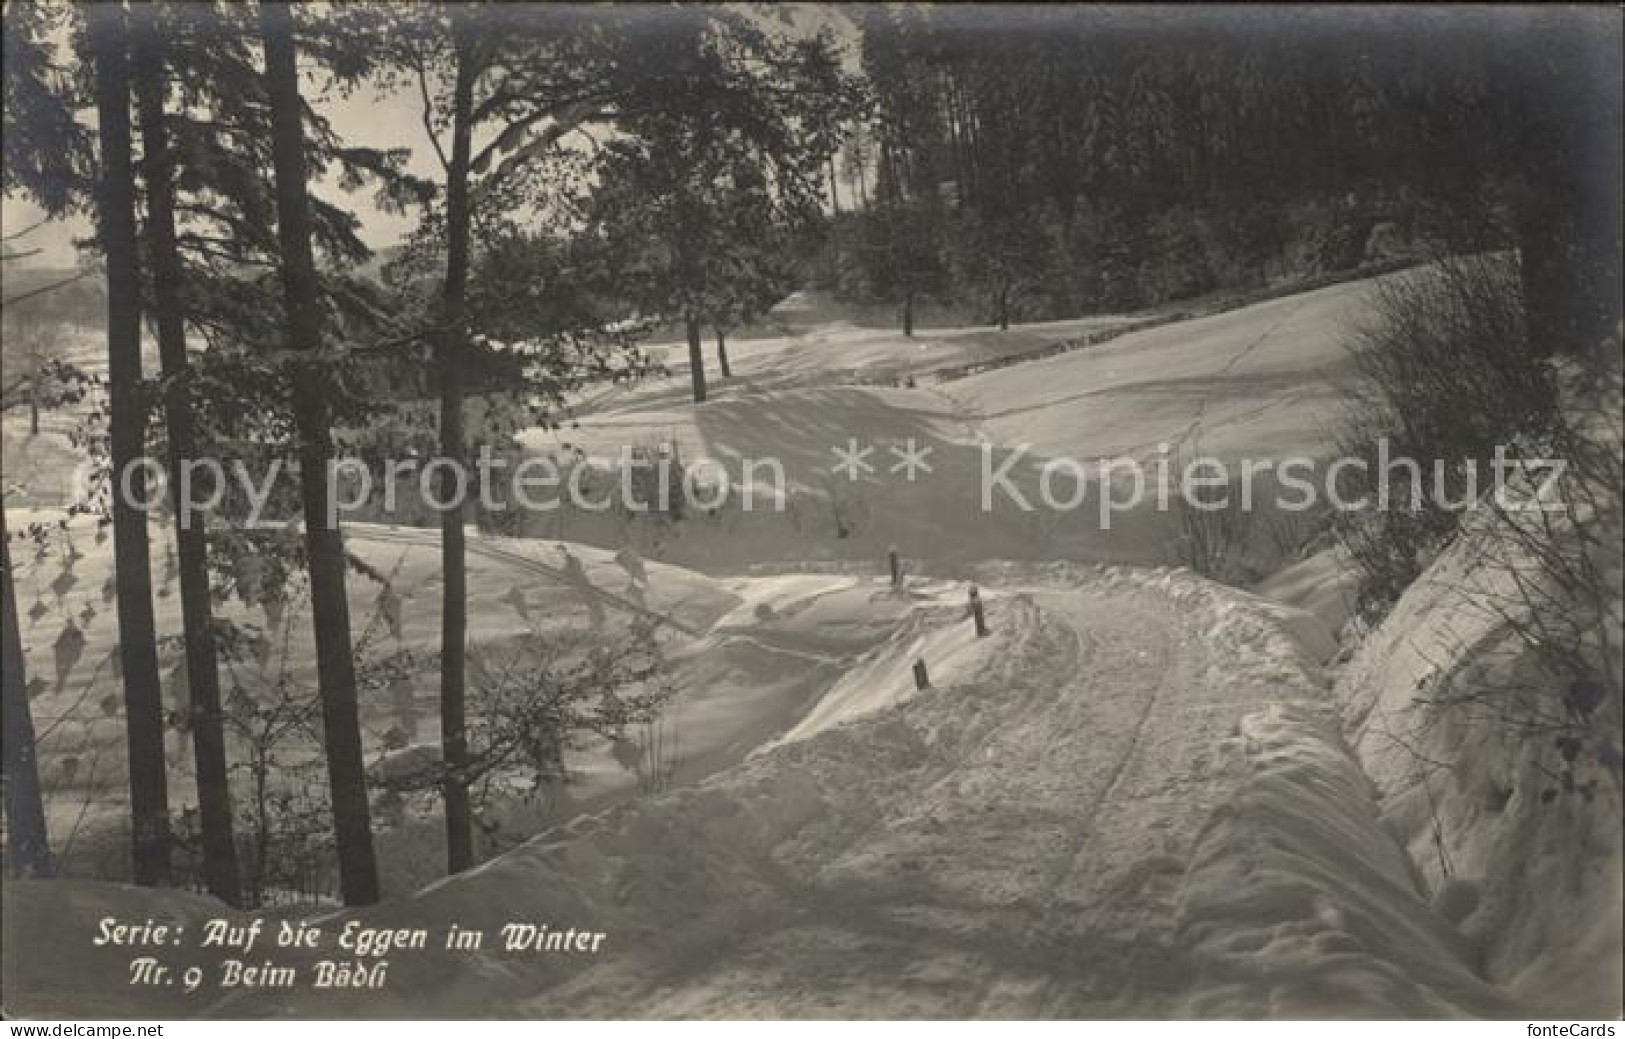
{"x":1442,"y":376}
{"x":1551,"y":547}
{"x":1520,"y":457}
{"x":534,"y":699}
{"x":1213,"y":534}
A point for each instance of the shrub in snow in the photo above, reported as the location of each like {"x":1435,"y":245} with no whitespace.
{"x":1442,"y":376}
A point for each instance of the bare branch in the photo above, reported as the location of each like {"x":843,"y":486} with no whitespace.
{"x":43,"y":289}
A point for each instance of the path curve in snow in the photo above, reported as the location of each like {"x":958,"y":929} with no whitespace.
{"x":1042,"y":841}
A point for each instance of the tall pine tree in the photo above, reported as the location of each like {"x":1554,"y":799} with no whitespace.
{"x":106,"y":37}
{"x":335,"y":667}
{"x":197,"y":612}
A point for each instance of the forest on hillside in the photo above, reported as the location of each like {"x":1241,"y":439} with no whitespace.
{"x":1062,"y":161}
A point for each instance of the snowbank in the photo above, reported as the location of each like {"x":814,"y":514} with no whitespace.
{"x":1441,"y":705}
{"x":1299,"y":904}
{"x":885,"y":677}
{"x":1465,"y":791}
{"x":1323,"y":584}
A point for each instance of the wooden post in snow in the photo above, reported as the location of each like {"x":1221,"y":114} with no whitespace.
{"x":921,"y":679}
{"x":977,"y":612}
{"x":895,"y":566}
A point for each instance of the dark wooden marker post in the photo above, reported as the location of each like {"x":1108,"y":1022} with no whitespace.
{"x":895,"y":565}
{"x":921,"y":679}
{"x":977,"y":612}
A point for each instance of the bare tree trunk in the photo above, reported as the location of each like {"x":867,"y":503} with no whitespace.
{"x":324,"y":543}
{"x":834,"y":187}
{"x":908,"y":312}
{"x":28,"y":849}
{"x":33,"y":405}
{"x":454,"y":602}
{"x":722,"y":355}
{"x":197,"y":611}
{"x":696,"y":359}
{"x":138,"y":653}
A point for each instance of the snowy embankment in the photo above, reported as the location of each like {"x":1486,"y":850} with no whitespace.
{"x":1454,"y":717}
{"x":1133,"y":802}
{"x":1535,"y":883}
{"x":1323,"y":584}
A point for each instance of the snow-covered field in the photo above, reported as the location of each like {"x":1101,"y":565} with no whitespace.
{"x":1134,"y":798}
{"x":1258,"y":381}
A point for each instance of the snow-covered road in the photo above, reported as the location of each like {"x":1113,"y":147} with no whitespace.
{"x":1027,"y":864}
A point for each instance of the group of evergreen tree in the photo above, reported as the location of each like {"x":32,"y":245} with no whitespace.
{"x":273,"y":340}
{"x":1071,"y":159}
